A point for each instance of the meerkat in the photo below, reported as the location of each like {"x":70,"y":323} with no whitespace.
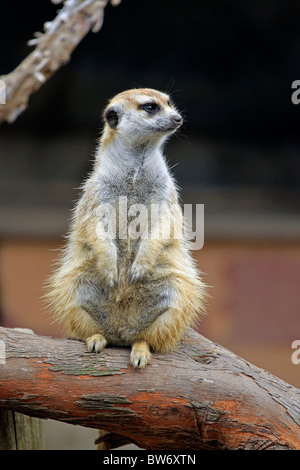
{"x":141,"y":291}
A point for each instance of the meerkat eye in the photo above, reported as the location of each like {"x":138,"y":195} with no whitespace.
{"x":150,"y":108}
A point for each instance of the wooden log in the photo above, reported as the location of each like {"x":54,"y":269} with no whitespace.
{"x":200,"y":397}
{"x":18,"y":431}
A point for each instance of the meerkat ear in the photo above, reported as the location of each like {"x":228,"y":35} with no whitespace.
{"x":111,"y":116}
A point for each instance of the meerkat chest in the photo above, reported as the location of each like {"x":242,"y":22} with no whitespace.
{"x":137,"y":186}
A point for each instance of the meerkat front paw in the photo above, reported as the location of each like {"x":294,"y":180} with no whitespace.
{"x":111,"y":276}
{"x":140,"y":355}
{"x":138,"y":270}
{"x":96,"y":343}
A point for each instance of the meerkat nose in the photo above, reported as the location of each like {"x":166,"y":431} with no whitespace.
{"x":177,"y":119}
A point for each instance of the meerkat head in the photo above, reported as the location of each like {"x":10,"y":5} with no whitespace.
{"x":141,"y":116}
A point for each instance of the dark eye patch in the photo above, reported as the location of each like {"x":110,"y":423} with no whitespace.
{"x":150,"y":108}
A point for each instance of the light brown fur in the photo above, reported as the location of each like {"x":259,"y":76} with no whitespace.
{"x":105,"y":291}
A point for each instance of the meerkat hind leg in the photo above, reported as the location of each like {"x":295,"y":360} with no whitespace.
{"x":140,"y":355}
{"x":96,"y":343}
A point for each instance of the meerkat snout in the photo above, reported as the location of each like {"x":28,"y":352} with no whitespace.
{"x":177,"y":119}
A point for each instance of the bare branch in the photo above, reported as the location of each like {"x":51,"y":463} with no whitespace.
{"x":53,"y":49}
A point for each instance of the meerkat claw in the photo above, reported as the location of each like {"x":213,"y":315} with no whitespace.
{"x":111,"y":277}
{"x":96,"y":343}
{"x":140,"y":355}
{"x":137,"y":271}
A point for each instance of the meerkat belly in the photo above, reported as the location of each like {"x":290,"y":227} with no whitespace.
{"x":126,"y":310}
{"x":127,"y":250}
{"x":130,"y":314}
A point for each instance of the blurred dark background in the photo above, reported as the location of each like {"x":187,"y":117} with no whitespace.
{"x":229,"y":66}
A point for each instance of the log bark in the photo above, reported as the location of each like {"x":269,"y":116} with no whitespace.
{"x":53,"y":49}
{"x":200,"y":397}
